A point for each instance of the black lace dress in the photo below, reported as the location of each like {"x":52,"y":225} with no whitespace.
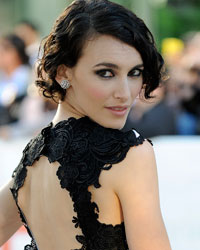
{"x":83,"y":149}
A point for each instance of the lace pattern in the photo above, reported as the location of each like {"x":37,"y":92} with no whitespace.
{"x":83,"y":149}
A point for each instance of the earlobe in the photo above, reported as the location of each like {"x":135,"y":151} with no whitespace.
{"x":65,"y":84}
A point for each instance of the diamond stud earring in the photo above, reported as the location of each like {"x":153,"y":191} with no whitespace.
{"x":65,"y":84}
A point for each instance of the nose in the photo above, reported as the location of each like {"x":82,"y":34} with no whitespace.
{"x":122,"y":90}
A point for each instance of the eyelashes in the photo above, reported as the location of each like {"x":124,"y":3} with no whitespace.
{"x":109,"y":73}
{"x":135,"y":72}
{"x":105,"y":73}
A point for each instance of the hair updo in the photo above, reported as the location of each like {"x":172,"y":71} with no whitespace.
{"x":84,"y":19}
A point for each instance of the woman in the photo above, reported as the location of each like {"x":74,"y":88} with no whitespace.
{"x":15,"y":75}
{"x":82,"y":183}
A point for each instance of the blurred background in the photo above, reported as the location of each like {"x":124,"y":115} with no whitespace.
{"x":171,"y":119}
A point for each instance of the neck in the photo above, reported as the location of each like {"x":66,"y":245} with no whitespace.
{"x":65,"y":111}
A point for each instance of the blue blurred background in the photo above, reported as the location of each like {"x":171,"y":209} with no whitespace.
{"x":171,"y":119}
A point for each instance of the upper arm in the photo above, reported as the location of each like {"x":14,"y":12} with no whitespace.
{"x":9,"y":217}
{"x":137,"y":189}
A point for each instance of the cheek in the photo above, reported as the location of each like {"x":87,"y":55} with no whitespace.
{"x":97,"y":92}
{"x":136,"y":90}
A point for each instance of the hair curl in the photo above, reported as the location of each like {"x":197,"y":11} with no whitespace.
{"x":84,"y":19}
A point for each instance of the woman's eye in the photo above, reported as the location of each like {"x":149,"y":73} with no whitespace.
{"x":135,"y":72}
{"x":105,"y":73}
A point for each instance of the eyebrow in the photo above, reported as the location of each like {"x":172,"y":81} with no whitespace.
{"x":115,"y":66}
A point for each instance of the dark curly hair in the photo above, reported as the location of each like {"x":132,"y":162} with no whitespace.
{"x":84,"y":19}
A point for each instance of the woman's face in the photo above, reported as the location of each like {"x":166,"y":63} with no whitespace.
{"x":9,"y":55}
{"x":105,"y":81}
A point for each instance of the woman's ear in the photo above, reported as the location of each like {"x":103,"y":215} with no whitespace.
{"x":62,"y":73}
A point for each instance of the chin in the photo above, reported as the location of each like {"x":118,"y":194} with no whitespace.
{"x":119,"y":124}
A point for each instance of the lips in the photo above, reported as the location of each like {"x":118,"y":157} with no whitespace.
{"x":118,"y":107}
{"x":118,"y":110}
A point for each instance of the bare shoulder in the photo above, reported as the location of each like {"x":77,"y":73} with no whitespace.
{"x":141,"y":152}
{"x":140,"y":158}
{"x":137,"y":173}
{"x":139,"y":161}
{"x":136,"y":185}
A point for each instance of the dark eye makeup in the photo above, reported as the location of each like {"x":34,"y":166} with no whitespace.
{"x":135,"y":72}
{"x":109,"y":73}
{"x":105,"y":73}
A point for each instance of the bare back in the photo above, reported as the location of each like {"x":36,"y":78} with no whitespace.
{"x":64,"y":186}
{"x":49,"y":209}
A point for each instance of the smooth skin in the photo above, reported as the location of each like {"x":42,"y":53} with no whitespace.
{"x":9,"y":218}
{"x":109,"y":73}
{"x":137,"y":189}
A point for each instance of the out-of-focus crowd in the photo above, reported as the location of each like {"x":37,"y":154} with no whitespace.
{"x":23,"y":111}
{"x":174,"y":110}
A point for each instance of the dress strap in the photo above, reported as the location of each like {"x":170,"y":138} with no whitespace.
{"x":136,"y":133}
